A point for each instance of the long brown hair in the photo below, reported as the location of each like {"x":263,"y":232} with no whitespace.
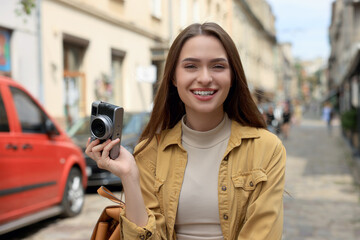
{"x":168,"y":108}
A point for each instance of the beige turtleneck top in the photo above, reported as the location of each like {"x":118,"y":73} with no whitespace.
{"x":198,"y":214}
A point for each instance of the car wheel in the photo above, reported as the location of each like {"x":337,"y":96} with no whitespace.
{"x":73,"y":199}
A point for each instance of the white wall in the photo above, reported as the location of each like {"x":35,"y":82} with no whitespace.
{"x":23,"y":45}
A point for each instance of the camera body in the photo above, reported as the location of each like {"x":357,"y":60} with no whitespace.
{"x":106,"y":123}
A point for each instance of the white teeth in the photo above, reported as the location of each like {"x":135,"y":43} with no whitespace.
{"x":204,"y":93}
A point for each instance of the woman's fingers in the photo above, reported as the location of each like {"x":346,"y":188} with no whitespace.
{"x":90,"y":145}
{"x":108,"y":147}
{"x":100,"y":147}
{"x":100,"y":154}
{"x":94,"y":149}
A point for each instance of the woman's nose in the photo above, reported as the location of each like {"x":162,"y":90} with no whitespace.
{"x":205,"y":76}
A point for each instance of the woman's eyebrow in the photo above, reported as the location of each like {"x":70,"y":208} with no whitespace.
{"x":198,"y":60}
{"x":190,"y":60}
{"x":219,"y":60}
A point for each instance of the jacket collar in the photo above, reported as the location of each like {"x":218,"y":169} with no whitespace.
{"x":238,"y":132}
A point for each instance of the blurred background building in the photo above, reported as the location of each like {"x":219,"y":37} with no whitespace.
{"x":69,"y":53}
{"x":19,"y":46}
{"x":344,"y":67}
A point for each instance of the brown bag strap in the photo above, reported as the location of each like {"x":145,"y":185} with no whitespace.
{"x":103,"y":191}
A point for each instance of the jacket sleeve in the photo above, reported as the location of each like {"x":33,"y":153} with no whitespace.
{"x":155,"y":228}
{"x":264,"y":215}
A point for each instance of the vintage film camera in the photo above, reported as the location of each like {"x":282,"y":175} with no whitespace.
{"x":106,"y":123}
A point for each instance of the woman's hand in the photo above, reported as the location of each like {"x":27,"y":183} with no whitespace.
{"x":123,"y":166}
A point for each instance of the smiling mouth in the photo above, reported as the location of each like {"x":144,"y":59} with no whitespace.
{"x":203,"y":93}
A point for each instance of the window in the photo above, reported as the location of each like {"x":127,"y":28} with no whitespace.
{"x":183,"y":13}
{"x":31,"y":117}
{"x":209,"y":7}
{"x":356,"y":22}
{"x":156,"y":8}
{"x":4,"y":122}
{"x":73,"y":56}
{"x":117,"y":62}
{"x":5,"y":66}
{"x":196,"y":11}
{"x":74,"y":78}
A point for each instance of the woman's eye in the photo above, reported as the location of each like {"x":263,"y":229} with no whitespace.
{"x":219,"y":66}
{"x":190,"y":66}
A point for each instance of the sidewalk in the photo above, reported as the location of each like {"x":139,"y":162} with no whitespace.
{"x":324,"y":202}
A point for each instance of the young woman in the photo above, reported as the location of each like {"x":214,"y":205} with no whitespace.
{"x":206,"y":167}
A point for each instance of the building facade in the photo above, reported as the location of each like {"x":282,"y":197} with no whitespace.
{"x":344,"y":61}
{"x":344,"y":64}
{"x":103,"y":50}
{"x":288,"y":86}
{"x":115,"y":50}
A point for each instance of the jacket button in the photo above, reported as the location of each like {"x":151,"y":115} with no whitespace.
{"x":223,"y":188}
{"x":226,"y":217}
{"x":148,"y":234}
{"x":251,"y":184}
{"x":226,"y":157}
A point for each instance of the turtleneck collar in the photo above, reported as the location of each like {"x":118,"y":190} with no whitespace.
{"x":209,"y":138}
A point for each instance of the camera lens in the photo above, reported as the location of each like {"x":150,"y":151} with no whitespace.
{"x":101,"y":127}
{"x":98,"y":128}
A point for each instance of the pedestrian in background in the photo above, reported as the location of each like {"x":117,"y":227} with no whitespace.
{"x":206,"y":167}
{"x":272,"y":122}
{"x":286,"y":121}
{"x":278,"y":113}
{"x":327,"y":116}
{"x":298,"y":113}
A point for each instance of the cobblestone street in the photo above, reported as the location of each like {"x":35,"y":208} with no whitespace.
{"x":324,"y":202}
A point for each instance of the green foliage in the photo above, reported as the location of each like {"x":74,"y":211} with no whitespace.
{"x":26,"y":6}
{"x":349,"y":120}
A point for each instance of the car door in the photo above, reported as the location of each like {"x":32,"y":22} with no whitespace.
{"x":31,"y":159}
{"x":10,"y":175}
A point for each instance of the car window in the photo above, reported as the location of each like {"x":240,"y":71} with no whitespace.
{"x":136,"y":124}
{"x":31,"y":117}
{"x":80,"y":127}
{"x":126,"y":118}
{"x":146,"y":119}
{"x":4,"y":123}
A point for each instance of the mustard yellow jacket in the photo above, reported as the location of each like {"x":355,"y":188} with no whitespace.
{"x":250,"y":185}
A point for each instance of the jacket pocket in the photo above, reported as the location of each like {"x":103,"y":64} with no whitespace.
{"x":245,"y":184}
{"x":248,"y":180}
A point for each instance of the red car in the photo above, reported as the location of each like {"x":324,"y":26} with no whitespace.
{"x":42,"y":172}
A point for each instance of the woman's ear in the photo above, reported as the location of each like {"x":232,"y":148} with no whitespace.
{"x":174,"y":82}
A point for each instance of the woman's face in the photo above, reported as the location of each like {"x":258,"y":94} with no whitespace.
{"x":202,"y":75}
